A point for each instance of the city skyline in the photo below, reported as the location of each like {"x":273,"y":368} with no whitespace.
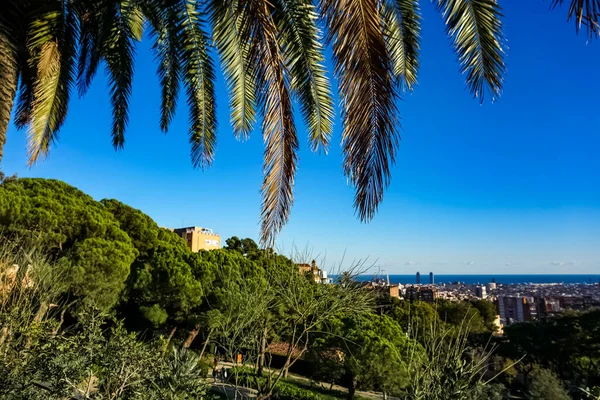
{"x":494,"y":188}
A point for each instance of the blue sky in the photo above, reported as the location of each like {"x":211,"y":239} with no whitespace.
{"x":504,"y":187}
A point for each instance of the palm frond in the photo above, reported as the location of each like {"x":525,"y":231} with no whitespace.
{"x":476,"y":31}
{"x":8,"y":87}
{"x":583,"y":12}
{"x":164,"y":19}
{"x":402,"y":25}
{"x":93,"y":20}
{"x":233,"y":51}
{"x":25,"y":97}
{"x":279,"y":132}
{"x":52,"y":40}
{"x":303,"y":50}
{"x":118,"y":51}
{"x":367,"y":87}
{"x":198,"y":77}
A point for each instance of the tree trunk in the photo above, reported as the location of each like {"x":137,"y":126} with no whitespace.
{"x":41,"y":312}
{"x":171,"y":336}
{"x":263,"y":350}
{"x":192,"y":335}
{"x":352,"y":388}
{"x":4,"y":334}
{"x":205,"y":343}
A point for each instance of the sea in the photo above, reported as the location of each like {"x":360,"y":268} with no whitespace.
{"x":482,"y":279}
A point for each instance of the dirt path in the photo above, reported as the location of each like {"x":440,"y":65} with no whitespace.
{"x":252,"y":393}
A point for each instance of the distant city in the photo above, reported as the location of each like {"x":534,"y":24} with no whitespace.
{"x":518,"y":298}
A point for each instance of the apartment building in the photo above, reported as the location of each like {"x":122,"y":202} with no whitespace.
{"x":198,"y":238}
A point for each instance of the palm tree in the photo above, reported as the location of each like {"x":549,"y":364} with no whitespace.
{"x":272,"y":54}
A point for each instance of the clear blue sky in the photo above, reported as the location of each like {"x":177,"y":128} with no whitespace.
{"x":508,"y":187}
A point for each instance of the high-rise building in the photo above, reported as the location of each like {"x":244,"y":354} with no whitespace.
{"x":516,"y":309}
{"x":199,"y":238}
{"x":480,"y":292}
{"x":491,"y":286}
{"x":431,"y":280}
{"x":418,"y":278}
{"x":423,"y":293}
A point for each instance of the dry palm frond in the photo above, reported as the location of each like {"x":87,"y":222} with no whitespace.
{"x":366,"y":79}
{"x":476,"y":31}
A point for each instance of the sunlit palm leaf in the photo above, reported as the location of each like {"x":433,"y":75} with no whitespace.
{"x":53,"y":35}
{"x":303,"y":50}
{"x":8,"y":83}
{"x":402,"y":22}
{"x":584,"y":12}
{"x":476,"y":31}
{"x":370,"y":116}
{"x":234,"y":57}
{"x":279,"y":132}
{"x":198,"y":77}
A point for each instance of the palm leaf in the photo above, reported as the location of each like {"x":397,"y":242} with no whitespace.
{"x":94,"y":17}
{"x":198,"y":76}
{"x":234,"y":57}
{"x":279,"y":132}
{"x":164,"y":19}
{"x":53,"y":35}
{"x":118,"y":51}
{"x":8,"y":86}
{"x":402,"y":24}
{"x":303,"y":51}
{"x":584,"y":12}
{"x":366,"y":79}
{"x":476,"y":31}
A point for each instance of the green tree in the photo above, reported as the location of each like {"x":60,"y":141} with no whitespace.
{"x":142,"y":230}
{"x":272,"y":55}
{"x":376,"y":354}
{"x":567,"y":344}
{"x":84,"y":239}
{"x":544,"y":385}
{"x":164,"y":287}
{"x":488,"y":312}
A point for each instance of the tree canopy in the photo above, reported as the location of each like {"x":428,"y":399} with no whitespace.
{"x":90,"y":248}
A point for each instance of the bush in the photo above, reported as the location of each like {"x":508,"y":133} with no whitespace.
{"x":94,"y":359}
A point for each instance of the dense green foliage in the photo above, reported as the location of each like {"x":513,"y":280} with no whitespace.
{"x":544,"y":385}
{"x":92,"y":252}
{"x":106,"y":292}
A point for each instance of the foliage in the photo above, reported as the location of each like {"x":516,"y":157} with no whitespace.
{"x":94,"y":359}
{"x":544,"y":385}
{"x":449,"y":369}
{"x":272,"y":54}
{"x":568,"y":344}
{"x":494,"y":391}
{"x":376,"y":353}
{"x":84,"y":239}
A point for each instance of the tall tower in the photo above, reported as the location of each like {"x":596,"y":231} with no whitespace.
{"x":431,"y":280}
{"x":418,"y":278}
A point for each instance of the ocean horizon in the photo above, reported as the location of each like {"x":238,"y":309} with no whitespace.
{"x":485,"y":278}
